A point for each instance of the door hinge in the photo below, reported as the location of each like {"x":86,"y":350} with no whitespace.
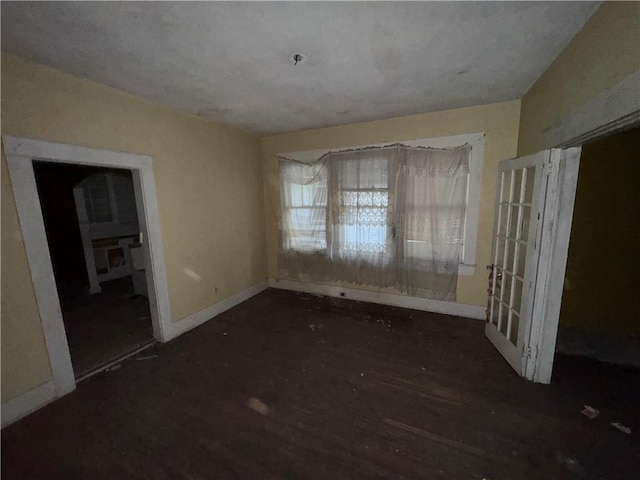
{"x":532,"y":352}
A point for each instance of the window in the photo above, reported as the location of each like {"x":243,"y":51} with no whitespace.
{"x":421,"y":237}
{"x":353,"y":209}
{"x":364,"y":204}
{"x":474,"y":180}
{"x":304,"y":208}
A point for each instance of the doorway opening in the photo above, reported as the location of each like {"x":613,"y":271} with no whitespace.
{"x":599,"y":313}
{"x":21,"y":153}
{"x":94,"y":239}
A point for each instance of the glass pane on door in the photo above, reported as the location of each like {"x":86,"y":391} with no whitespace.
{"x":511,"y":244}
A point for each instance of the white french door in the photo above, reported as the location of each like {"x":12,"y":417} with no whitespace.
{"x":533,"y":212}
{"x":522,"y":184}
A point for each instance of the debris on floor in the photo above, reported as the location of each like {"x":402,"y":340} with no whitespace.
{"x":590,"y":412}
{"x":570,"y":462}
{"x":313,"y":326}
{"x":621,"y":427}
{"x":148,"y":357}
{"x":258,"y":406}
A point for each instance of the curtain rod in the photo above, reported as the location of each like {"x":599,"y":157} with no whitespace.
{"x":364,"y":149}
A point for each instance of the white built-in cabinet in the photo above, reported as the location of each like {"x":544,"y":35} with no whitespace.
{"x":106,"y":208}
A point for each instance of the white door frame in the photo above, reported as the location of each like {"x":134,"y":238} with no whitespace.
{"x":554,"y":247}
{"x":20,"y":154}
{"x":613,"y":110}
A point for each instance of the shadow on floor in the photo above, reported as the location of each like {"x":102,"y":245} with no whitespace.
{"x":106,"y":326}
{"x":606,"y":347}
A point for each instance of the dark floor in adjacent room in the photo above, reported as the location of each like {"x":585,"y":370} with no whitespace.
{"x":107,"y":325}
{"x":290,"y":385}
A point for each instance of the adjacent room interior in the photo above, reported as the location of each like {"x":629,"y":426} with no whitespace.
{"x":91,"y":222}
{"x":597,"y":319}
{"x":320,"y":240}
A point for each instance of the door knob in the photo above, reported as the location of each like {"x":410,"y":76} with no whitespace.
{"x":498,"y":273}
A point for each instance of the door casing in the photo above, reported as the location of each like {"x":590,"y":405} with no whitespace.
{"x":20,"y":154}
{"x":554,"y":248}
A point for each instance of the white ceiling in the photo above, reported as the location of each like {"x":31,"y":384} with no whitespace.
{"x":231,"y":61}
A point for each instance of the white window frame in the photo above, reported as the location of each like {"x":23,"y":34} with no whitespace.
{"x":476,"y":160}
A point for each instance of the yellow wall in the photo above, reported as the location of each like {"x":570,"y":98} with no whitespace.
{"x":602,"y":281}
{"x":603,"y":53}
{"x":25,"y":362}
{"x":209,"y":188}
{"x":499,"y":122}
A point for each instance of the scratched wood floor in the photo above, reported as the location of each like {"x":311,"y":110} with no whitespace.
{"x":289,"y":386}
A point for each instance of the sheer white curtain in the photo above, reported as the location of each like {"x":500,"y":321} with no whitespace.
{"x":431,"y":206}
{"x":387,"y":217}
{"x":303,"y":193}
{"x":361,"y":244}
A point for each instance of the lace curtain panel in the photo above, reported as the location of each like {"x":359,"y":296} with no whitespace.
{"x":386,"y":217}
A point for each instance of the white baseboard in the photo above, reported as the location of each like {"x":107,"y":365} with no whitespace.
{"x":404,"y":301}
{"x":198,"y":318}
{"x":28,"y":402}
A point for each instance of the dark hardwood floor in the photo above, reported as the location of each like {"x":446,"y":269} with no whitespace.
{"x":107,"y":325}
{"x":289,"y":386}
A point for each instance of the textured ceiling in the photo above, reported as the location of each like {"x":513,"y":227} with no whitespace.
{"x":231,"y":62}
